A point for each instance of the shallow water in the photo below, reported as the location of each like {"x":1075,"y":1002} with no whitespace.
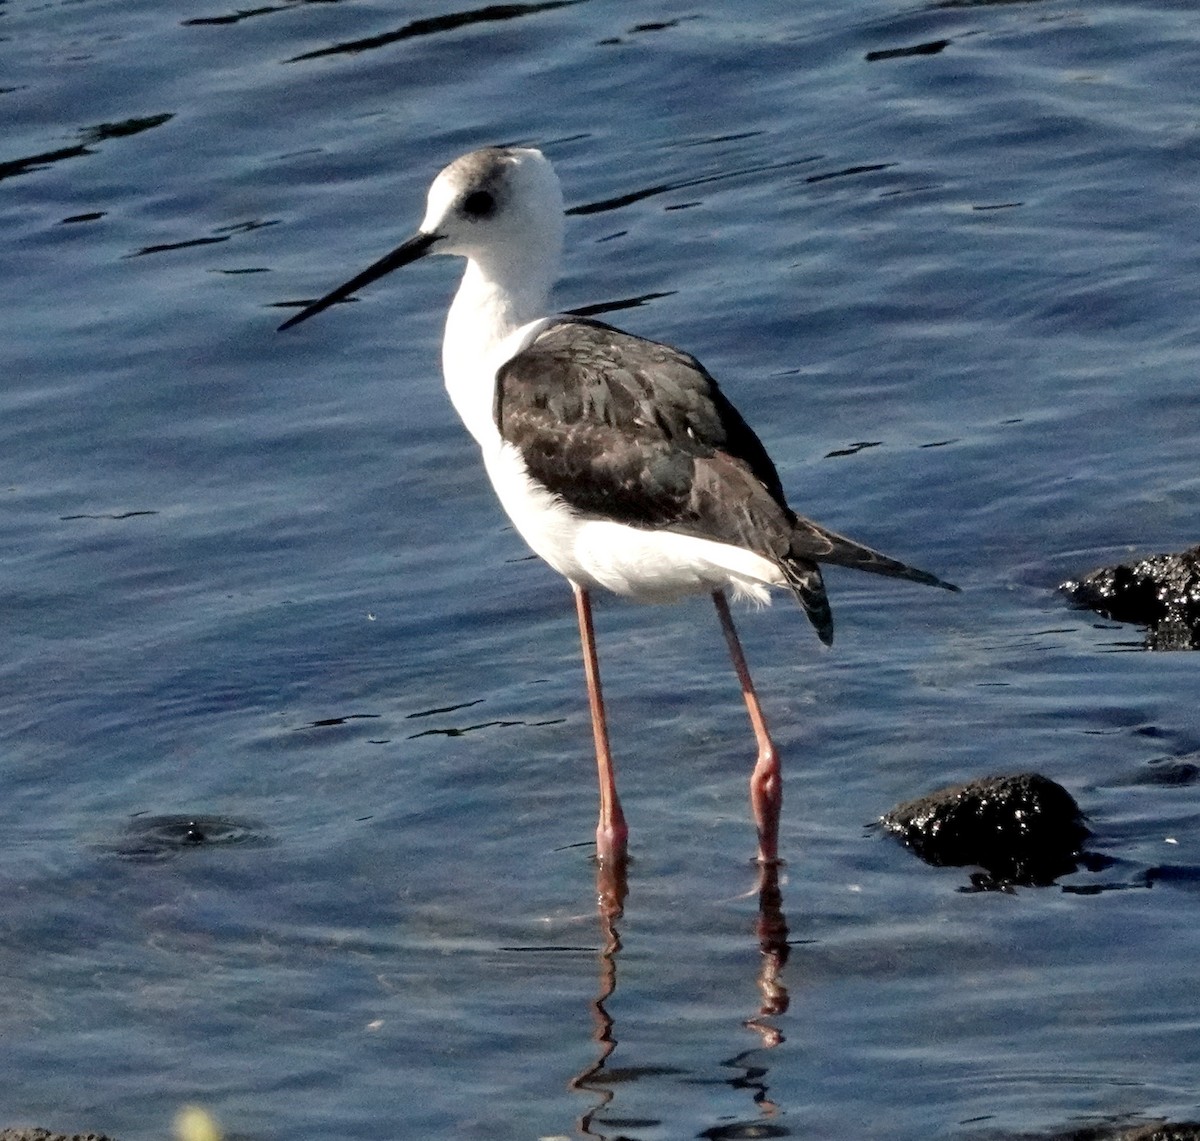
{"x":261,"y":578}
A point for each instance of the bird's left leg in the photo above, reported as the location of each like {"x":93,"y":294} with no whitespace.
{"x":766,"y":782}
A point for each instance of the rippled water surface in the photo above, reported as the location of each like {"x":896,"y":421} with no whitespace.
{"x":295,"y":770}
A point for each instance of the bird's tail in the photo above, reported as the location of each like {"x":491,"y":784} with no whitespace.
{"x":813,"y":543}
{"x":810,"y":543}
{"x":805,"y":581}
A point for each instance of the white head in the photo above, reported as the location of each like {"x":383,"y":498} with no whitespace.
{"x":499,"y":207}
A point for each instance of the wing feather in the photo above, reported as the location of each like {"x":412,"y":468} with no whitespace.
{"x":622,"y":427}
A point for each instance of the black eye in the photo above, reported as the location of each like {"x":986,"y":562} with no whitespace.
{"x":479,"y":204}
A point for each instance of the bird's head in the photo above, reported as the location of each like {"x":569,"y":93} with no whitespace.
{"x":499,"y":207}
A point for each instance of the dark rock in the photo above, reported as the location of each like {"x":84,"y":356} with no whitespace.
{"x":1154,"y":1131}
{"x":18,"y":1134}
{"x":1177,"y":1131}
{"x":1161,"y":592}
{"x":1022,"y":830}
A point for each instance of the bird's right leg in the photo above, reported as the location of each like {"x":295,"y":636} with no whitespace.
{"x":611,"y":832}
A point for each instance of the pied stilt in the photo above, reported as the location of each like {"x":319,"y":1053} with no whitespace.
{"x":618,"y":459}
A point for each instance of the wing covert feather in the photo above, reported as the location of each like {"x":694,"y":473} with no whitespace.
{"x":632,"y":430}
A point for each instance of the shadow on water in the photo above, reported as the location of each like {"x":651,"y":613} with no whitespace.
{"x":601,"y":1080}
{"x":604,"y":205}
{"x":434,"y":25}
{"x":89,"y":139}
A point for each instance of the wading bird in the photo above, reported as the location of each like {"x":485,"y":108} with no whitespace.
{"x":618,"y":459}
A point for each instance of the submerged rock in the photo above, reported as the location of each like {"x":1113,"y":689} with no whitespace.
{"x":1022,"y":830}
{"x":150,"y":838}
{"x":1161,"y":592}
{"x":1170,"y":772}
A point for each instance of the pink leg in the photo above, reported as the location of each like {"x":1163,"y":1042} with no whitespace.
{"x":766,"y":782}
{"x":611,"y":832}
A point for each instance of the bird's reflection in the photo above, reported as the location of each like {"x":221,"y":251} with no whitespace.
{"x":599,"y":1080}
{"x":772,"y":930}
{"x":611,"y":888}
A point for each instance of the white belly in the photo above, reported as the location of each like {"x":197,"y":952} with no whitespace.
{"x":650,"y":566}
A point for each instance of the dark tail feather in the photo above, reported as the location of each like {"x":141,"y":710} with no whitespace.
{"x":812,"y":543}
{"x":805,"y":580}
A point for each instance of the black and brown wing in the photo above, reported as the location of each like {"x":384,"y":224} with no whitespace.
{"x":631,"y":430}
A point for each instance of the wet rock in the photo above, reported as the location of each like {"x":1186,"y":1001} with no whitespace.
{"x":1161,"y":592}
{"x":1154,"y":1131}
{"x":1022,"y":830}
{"x":18,"y":1134}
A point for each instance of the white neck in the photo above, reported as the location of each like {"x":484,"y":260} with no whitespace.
{"x":487,"y":310}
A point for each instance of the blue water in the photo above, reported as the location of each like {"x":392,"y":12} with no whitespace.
{"x":261,"y":578}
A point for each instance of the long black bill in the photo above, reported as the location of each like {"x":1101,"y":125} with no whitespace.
{"x":416,"y":246}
